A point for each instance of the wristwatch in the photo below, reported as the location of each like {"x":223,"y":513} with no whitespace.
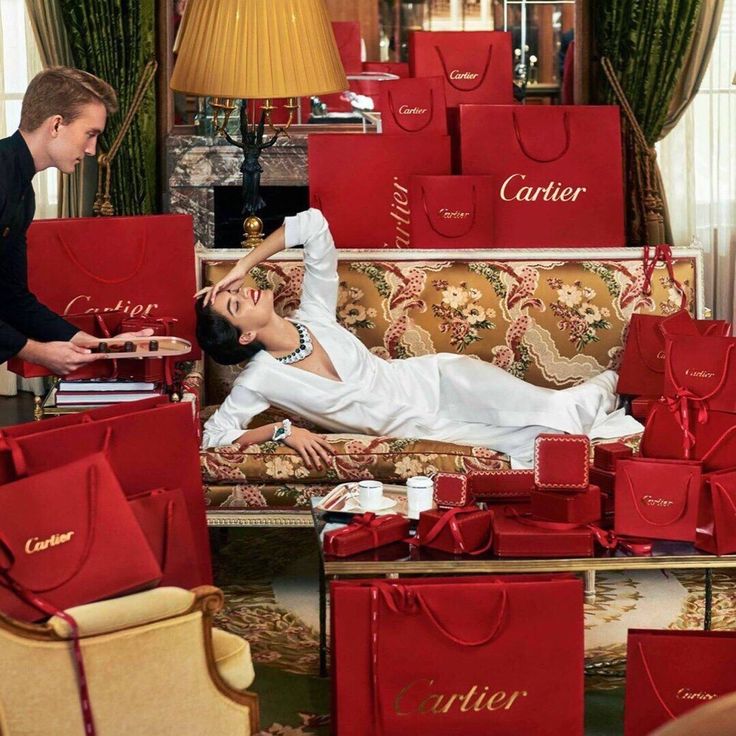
{"x":282,"y":431}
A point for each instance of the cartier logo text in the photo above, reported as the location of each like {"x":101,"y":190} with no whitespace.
{"x":34,"y":544}
{"x":401,"y":215}
{"x":514,"y":189}
{"x":406,"y":110}
{"x":658,"y":502}
{"x":685,"y":693}
{"x":421,"y":696}
{"x":446,"y":214}
{"x":457,"y":74}
{"x":78,"y":304}
{"x":699,"y":374}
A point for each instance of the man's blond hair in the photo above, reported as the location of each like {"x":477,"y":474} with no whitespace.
{"x":61,"y":90}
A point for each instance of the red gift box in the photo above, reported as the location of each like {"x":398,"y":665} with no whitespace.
{"x":373,"y":170}
{"x":447,"y":211}
{"x":657,"y":498}
{"x":457,"y":531}
{"x":642,"y":366}
{"x":413,"y":106}
{"x":670,"y":672}
{"x":458,"y":655}
{"x":521,"y":535}
{"x":604,"y":479}
{"x":475,"y":65}
{"x":571,"y":508}
{"x":641,"y":406}
{"x":450,"y":490}
{"x":557,"y":171}
{"x":366,"y":531}
{"x":561,"y":462}
{"x":605,"y":455}
{"x":716,"y":528}
{"x":501,"y":485}
{"x":349,"y":46}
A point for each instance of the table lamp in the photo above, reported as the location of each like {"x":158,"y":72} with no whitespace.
{"x":255,"y":51}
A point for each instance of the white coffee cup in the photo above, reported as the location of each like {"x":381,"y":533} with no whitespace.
{"x":370,"y":494}
{"x":419,"y":495}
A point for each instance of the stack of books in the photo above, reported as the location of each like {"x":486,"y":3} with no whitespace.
{"x":94,"y":392}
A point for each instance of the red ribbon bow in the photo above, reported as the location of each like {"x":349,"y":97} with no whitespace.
{"x":663,"y":253}
{"x":680,"y":407}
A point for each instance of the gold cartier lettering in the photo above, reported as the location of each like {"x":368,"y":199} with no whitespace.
{"x":699,"y":374}
{"x":552,"y":192}
{"x":401,"y":214}
{"x":661,"y":355}
{"x":418,"y":697}
{"x":457,"y":74}
{"x":685,"y":693}
{"x":453,"y":214}
{"x":406,"y":110}
{"x":123,"y":305}
{"x":659,"y":502}
{"x":34,"y":544}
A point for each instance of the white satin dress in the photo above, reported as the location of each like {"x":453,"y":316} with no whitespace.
{"x":446,"y":397}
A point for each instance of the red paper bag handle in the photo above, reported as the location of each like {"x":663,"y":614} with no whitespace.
{"x":641,"y":349}
{"x":652,"y":683}
{"x":404,"y":127}
{"x":73,"y":258}
{"x":452,"y":83}
{"x":438,"y":230}
{"x":539,"y":159}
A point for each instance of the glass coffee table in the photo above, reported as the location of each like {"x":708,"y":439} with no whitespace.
{"x":401,"y":559}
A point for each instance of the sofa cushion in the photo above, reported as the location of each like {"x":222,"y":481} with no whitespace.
{"x":356,"y":457}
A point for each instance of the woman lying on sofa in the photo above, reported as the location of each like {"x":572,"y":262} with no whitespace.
{"x":309,"y":365}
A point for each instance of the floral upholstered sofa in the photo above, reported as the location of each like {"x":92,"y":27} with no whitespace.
{"x":551,"y":317}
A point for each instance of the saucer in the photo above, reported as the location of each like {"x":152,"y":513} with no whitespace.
{"x":386,"y":503}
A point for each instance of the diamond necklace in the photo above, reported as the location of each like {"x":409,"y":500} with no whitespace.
{"x":305,"y":346}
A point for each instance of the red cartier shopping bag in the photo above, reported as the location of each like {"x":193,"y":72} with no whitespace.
{"x":448,"y":211}
{"x":657,"y":499}
{"x":348,"y":42}
{"x":371,"y":173}
{"x":557,"y":171}
{"x":716,"y":530}
{"x":460,"y":655}
{"x":670,"y":672}
{"x":701,"y":372}
{"x":155,"y":447}
{"x":413,"y":106}
{"x":710,"y":438}
{"x":475,"y":65}
{"x":642,"y":366}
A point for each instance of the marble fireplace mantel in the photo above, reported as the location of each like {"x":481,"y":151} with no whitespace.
{"x":198,"y":164}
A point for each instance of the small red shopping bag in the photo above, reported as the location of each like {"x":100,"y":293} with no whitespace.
{"x":670,"y":672}
{"x":476,"y":65}
{"x":557,"y":171}
{"x":448,"y":211}
{"x":413,"y":106}
{"x":371,"y":172}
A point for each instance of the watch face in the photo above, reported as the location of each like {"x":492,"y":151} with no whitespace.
{"x":279,"y":434}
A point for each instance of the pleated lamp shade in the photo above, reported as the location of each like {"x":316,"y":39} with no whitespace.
{"x":257,"y":49}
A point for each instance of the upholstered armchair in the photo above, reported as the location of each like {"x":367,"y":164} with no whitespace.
{"x":154,"y":664}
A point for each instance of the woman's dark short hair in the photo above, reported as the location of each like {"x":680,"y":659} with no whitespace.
{"x":219,"y":339}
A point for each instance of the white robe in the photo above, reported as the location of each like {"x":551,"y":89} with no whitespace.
{"x":443,"y":396}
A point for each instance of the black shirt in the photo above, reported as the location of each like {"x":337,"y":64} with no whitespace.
{"x":22,"y":316}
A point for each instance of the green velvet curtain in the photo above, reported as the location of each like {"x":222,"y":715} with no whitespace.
{"x":645,"y":43}
{"x":114,"y":39}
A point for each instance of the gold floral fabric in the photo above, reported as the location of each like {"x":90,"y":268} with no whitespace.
{"x":356,"y":457}
{"x":551,"y":322}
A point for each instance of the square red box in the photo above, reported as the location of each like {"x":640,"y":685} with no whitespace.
{"x":561,"y":462}
{"x":570,"y":508}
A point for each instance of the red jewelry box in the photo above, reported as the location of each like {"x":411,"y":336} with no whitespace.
{"x":657,"y":499}
{"x":570,"y":508}
{"x":451,"y":489}
{"x":561,"y":462}
{"x":501,"y":485}
{"x":606,"y":454}
{"x":457,"y":531}
{"x":604,"y":479}
{"x":365,"y":531}
{"x":519,"y":535}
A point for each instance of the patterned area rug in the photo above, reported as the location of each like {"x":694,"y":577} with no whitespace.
{"x":271,"y":589}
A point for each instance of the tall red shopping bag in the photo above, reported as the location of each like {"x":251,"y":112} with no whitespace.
{"x":463,"y":655}
{"x":150,"y":449}
{"x":670,"y":672}
{"x":476,"y":65}
{"x":361,"y":183}
{"x":557,"y":168}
